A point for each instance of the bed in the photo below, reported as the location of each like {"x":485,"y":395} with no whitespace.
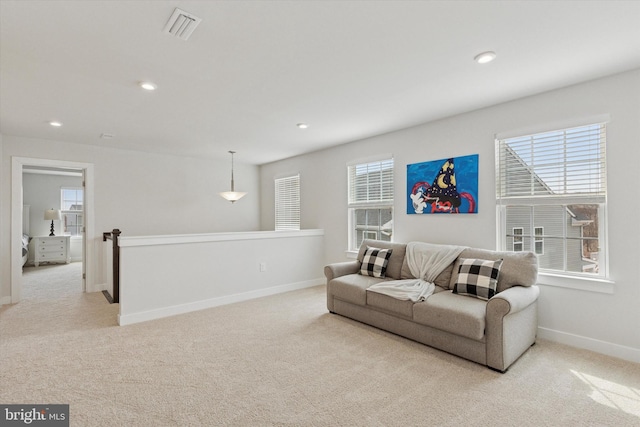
{"x":25,"y":233}
{"x":25,"y":248}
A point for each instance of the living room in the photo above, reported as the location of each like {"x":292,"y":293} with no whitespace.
{"x":145,"y":190}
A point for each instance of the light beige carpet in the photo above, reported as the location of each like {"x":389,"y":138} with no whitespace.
{"x":284,"y":361}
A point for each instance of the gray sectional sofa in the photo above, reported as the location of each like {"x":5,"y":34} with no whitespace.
{"x":493,"y":332}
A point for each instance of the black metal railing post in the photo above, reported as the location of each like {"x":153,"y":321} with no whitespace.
{"x":114,"y":237}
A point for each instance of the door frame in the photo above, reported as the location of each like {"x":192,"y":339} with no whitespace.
{"x":88,"y":262}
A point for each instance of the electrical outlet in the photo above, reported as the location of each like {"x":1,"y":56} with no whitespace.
{"x":263,"y":267}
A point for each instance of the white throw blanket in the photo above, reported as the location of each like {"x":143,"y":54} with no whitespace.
{"x":426,"y":261}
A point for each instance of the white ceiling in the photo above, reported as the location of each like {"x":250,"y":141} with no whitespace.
{"x":252,"y":70}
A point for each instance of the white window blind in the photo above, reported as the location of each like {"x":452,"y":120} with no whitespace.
{"x":371,"y":183}
{"x":568,"y":163}
{"x":370,"y":201}
{"x":288,"y":203}
{"x":551,"y":195}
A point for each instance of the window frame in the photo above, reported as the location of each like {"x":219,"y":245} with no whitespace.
{"x":566,"y":199}
{"x":379,"y":199}
{"x":520,"y":236}
{"x":538,"y":238}
{"x":65,"y":212}
{"x":287,"y":203}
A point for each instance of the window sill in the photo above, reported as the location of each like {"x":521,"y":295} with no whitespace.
{"x":352,"y":254}
{"x":595,"y":284}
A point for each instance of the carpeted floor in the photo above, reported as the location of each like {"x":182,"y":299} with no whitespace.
{"x":283,"y":360}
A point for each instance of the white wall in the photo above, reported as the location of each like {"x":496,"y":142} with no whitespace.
{"x":603,"y":322}
{"x":139,"y":193}
{"x":5,"y":241}
{"x":42,"y":192}
{"x":166,"y":275}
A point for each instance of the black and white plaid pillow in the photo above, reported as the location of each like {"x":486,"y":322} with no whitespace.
{"x":477,"y":278}
{"x":374,"y":262}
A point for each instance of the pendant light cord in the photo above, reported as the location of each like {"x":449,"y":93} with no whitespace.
{"x":232,"y":187}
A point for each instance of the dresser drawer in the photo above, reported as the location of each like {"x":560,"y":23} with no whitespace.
{"x":51,"y":248}
{"x":55,"y":242}
{"x":52,"y":256}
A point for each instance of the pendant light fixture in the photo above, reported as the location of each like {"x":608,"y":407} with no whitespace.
{"x":232,"y":196}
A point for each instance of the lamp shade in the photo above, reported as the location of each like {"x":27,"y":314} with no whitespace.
{"x":233,"y":196}
{"x":52,"y":214}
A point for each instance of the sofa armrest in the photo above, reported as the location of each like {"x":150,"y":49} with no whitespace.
{"x":511,"y":325}
{"x":512,"y":300}
{"x":338,"y":269}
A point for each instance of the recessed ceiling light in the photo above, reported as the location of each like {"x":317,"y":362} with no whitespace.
{"x":148,"y":85}
{"x":55,"y":123}
{"x":302,"y":125}
{"x":484,"y":57}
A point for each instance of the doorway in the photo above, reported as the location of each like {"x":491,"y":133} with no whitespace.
{"x":53,"y":260}
{"x":85,"y":170}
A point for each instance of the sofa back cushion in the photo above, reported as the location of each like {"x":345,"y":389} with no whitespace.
{"x":395,"y":261}
{"x":518,"y":268}
{"x":442,"y":280}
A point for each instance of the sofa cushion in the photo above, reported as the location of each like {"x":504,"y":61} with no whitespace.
{"x":374,"y":262}
{"x":352,"y":287}
{"x":477,"y":278}
{"x":518,"y":268}
{"x":452,"y":313}
{"x":395,"y":261}
{"x":390,"y":304}
{"x":394,"y":305}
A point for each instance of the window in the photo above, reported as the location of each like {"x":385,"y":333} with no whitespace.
{"x":288,"y":203}
{"x":370,"y":202}
{"x":551,"y":194}
{"x":538,"y":243}
{"x":517,"y":239}
{"x":72,"y":210}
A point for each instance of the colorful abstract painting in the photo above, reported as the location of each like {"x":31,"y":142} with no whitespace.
{"x":443,"y":186}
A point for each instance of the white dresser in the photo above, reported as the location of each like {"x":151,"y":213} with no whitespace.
{"x":52,"y":249}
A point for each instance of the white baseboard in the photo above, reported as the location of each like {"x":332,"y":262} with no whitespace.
{"x":610,"y":349}
{"x":129,"y":319}
{"x":5,"y":300}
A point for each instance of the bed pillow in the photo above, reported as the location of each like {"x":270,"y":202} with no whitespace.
{"x":477,"y":278}
{"x":374,"y":262}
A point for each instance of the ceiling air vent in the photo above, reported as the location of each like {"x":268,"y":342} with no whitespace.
{"x":181,"y":24}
